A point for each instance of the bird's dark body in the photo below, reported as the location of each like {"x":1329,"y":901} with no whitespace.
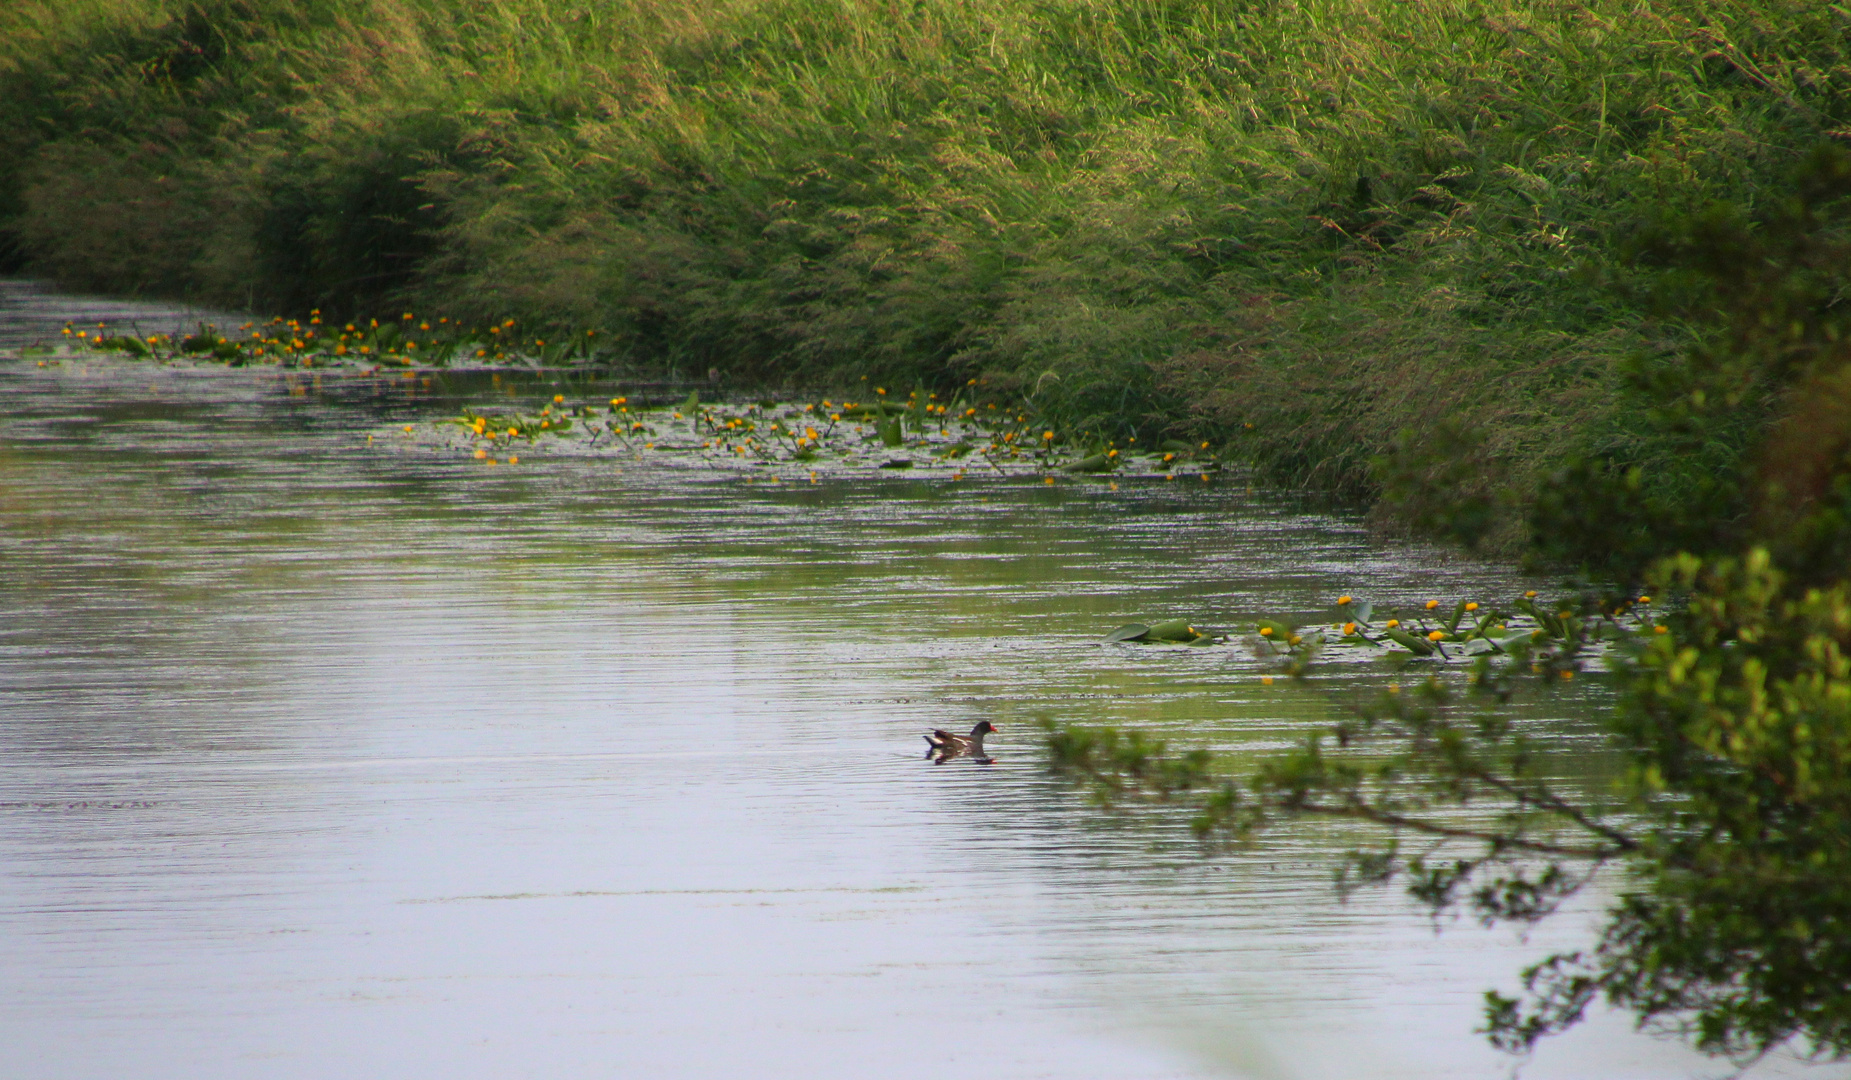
{"x":948,"y":745}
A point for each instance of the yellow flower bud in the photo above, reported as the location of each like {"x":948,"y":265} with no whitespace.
{"x":1436,"y":635}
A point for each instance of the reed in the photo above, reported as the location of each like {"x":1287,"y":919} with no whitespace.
{"x":1303,"y":225}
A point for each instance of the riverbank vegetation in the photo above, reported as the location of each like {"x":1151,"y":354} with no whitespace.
{"x":1303,"y":227}
{"x":1726,"y":841}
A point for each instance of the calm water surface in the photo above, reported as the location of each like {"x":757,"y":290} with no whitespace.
{"x":328,"y":759}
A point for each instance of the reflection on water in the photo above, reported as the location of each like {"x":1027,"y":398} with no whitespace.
{"x":326,"y":759}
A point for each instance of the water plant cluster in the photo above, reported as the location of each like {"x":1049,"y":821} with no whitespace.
{"x":311,"y":341}
{"x":1548,"y":636}
{"x":963,"y":432}
{"x":967,"y":426}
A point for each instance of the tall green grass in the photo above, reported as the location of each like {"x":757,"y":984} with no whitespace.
{"x":1308,"y":224}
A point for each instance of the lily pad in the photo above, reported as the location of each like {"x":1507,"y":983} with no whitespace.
{"x":897,"y":463}
{"x":1095,"y":464}
{"x":1172,"y":630}
{"x":1129,"y":632}
{"x":1417,"y":646}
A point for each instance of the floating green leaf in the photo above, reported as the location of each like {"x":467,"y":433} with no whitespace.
{"x":1095,"y":464}
{"x":1417,"y":646}
{"x":1172,"y":630}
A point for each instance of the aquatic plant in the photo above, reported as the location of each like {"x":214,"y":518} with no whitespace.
{"x":963,"y":432}
{"x":966,"y":424}
{"x":309,"y":341}
{"x":1168,"y":632}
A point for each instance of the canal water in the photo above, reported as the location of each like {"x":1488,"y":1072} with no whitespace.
{"x":327,"y":755}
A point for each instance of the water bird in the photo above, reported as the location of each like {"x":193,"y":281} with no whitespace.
{"x":947,"y":745}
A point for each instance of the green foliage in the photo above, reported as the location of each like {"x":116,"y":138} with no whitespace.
{"x":1167,"y":632}
{"x":1705,"y":468}
{"x":1140,"y":215}
{"x":1738,"y":732}
{"x":1732,"y":818}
